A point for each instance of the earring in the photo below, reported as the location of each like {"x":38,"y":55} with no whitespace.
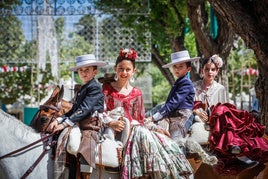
{"x":115,"y":77}
{"x":132,"y":79}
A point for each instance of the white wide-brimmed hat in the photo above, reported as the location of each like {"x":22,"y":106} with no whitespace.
{"x":87,"y":60}
{"x":180,"y":57}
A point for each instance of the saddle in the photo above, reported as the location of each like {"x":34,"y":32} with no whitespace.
{"x":199,"y":131}
{"x":98,"y":146}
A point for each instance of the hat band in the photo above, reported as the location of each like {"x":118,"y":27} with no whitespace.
{"x":85,"y":62}
{"x":180,"y":59}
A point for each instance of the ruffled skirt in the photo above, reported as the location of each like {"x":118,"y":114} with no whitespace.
{"x":155,"y":154}
{"x":233,"y":127}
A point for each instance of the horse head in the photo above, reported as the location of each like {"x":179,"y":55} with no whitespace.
{"x":54,"y":107}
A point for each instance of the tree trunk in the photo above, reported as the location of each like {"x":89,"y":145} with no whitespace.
{"x":261,"y":88}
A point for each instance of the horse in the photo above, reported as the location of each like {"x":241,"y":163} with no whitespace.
{"x":16,"y":135}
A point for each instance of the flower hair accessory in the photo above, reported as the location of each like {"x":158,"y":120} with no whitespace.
{"x":217,"y":60}
{"x":128,"y":53}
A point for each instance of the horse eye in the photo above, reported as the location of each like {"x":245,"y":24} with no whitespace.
{"x":46,"y":109}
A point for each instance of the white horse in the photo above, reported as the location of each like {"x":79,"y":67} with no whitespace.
{"x":14,"y":135}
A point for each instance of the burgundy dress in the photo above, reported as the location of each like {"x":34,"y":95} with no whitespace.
{"x":233,"y":127}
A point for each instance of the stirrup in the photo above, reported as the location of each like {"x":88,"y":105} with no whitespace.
{"x":86,"y":168}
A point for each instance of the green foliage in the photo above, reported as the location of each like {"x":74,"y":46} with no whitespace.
{"x":241,"y":59}
{"x":161,"y":86}
{"x":13,"y":85}
{"x":7,"y":5}
{"x":160,"y":19}
{"x":76,"y":44}
{"x":23,"y":86}
{"x":190,"y":44}
{"x":12,"y":46}
{"x":11,"y":37}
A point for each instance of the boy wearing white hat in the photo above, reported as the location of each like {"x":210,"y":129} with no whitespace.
{"x":180,"y":102}
{"x":88,"y":104}
{"x":89,"y":98}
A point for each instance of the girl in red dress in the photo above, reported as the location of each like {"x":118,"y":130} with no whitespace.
{"x":147,"y":152}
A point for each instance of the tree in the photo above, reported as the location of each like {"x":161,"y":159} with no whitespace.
{"x":199,"y":14}
{"x":169,"y":25}
{"x":249,"y":19}
{"x":240,"y":61}
{"x":15,"y":50}
{"x":164,"y":19}
{"x":12,"y":48}
{"x":76,"y":44}
{"x":169,"y":28}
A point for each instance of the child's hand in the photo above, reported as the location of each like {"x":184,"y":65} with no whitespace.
{"x":52,"y":126}
{"x":117,"y":125}
{"x":163,"y":131}
{"x":149,"y":119}
{"x":202,"y":115}
{"x":59,"y":127}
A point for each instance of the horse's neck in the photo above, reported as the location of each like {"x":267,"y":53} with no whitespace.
{"x":15,"y":135}
{"x":15,"y":132}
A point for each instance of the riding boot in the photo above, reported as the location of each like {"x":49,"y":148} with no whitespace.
{"x":247,"y":163}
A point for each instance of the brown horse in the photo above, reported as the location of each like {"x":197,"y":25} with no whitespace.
{"x":204,"y":171}
{"x":54,"y":107}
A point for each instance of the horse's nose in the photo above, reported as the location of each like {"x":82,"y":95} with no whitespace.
{"x":44,"y":119}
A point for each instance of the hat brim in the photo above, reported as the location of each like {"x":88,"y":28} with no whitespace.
{"x":98,"y":64}
{"x":182,"y":61}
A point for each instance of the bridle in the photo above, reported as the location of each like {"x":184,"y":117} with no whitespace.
{"x":50,"y":107}
{"x":54,"y":115}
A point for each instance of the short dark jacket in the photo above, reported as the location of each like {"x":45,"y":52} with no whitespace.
{"x":88,"y":100}
{"x":181,"y":96}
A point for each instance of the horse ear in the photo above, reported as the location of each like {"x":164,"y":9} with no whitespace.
{"x":53,"y":96}
{"x":61,"y":93}
{"x":55,"y":91}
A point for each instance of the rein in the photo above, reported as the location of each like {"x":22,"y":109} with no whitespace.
{"x":26,"y":147}
{"x":46,"y":149}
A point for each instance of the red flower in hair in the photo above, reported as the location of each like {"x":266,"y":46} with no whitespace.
{"x":128,"y":53}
